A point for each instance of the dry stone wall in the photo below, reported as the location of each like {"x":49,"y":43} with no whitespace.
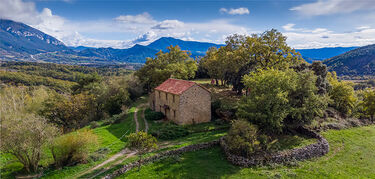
{"x":317,"y":149}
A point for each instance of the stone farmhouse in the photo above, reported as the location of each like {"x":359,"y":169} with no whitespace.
{"x":183,"y":102}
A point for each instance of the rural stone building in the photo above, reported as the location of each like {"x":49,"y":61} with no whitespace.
{"x":183,"y":102}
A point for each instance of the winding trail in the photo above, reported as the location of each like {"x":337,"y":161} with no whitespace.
{"x":114,"y":164}
{"x":124,"y":152}
{"x":146,"y":124}
{"x":136,"y":120}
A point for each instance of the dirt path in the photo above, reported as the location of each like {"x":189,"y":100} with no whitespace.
{"x":146,"y":124}
{"x":114,"y":164}
{"x":123,"y":152}
{"x":136,"y":120}
{"x":113,"y":158}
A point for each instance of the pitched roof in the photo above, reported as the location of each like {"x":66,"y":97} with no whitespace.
{"x":175,"y":86}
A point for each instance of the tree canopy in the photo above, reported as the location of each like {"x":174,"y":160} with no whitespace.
{"x":175,"y":63}
{"x":243,"y":54}
{"x":281,"y":98}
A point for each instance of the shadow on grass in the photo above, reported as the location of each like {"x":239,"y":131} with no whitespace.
{"x":125,"y":127}
{"x":209,"y":163}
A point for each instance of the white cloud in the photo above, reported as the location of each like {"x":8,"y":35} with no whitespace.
{"x":363,"y":27}
{"x":144,"y":18}
{"x":19,"y":11}
{"x":289,"y":27}
{"x":327,"y":7}
{"x":320,"y":37}
{"x":169,"y":24}
{"x":238,"y":11}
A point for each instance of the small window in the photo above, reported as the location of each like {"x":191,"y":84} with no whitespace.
{"x":166,"y":96}
{"x":174,"y":113}
{"x":173,"y":98}
{"x":159,"y":94}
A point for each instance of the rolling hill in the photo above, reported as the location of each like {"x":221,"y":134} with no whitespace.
{"x":320,"y":54}
{"x":360,"y":61}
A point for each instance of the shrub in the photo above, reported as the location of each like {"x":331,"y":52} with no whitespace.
{"x":152,"y":115}
{"x":169,"y":131}
{"x":368,"y":103}
{"x":214,"y":106}
{"x":99,"y":154}
{"x":72,"y":148}
{"x":94,"y":124}
{"x":342,"y":95}
{"x":142,"y":143}
{"x":117,"y":118}
{"x":107,"y":122}
{"x":280,"y":99}
{"x":244,"y":139}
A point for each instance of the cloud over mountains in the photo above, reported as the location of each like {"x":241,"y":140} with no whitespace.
{"x":125,"y":30}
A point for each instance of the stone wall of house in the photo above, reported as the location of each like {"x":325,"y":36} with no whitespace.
{"x":151,"y":100}
{"x":195,"y":106}
{"x":171,"y":100}
{"x":317,"y":149}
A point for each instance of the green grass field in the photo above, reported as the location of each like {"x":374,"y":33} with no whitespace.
{"x":351,"y":156}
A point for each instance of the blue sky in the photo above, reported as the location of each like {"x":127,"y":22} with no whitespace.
{"x":121,"y":24}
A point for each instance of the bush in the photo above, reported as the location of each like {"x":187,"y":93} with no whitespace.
{"x":117,"y":118}
{"x":342,"y":95}
{"x":169,"y":131}
{"x":214,"y":106}
{"x":107,"y":122}
{"x":244,"y":139}
{"x":72,"y":148}
{"x":94,"y":124}
{"x":99,"y":154}
{"x":152,"y":115}
{"x":368,"y":103}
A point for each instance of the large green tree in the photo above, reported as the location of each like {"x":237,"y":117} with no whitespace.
{"x":175,"y":63}
{"x":281,"y":98}
{"x":243,"y":54}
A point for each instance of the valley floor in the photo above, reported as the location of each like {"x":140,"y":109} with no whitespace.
{"x":351,"y":156}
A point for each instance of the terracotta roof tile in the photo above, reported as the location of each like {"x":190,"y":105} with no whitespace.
{"x":175,"y":86}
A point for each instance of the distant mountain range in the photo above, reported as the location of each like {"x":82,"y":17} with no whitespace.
{"x":360,"y":61}
{"x":320,"y":54}
{"x":139,"y":53}
{"x":24,"y":43}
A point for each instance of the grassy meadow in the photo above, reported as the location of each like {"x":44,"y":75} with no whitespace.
{"x":351,"y":156}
